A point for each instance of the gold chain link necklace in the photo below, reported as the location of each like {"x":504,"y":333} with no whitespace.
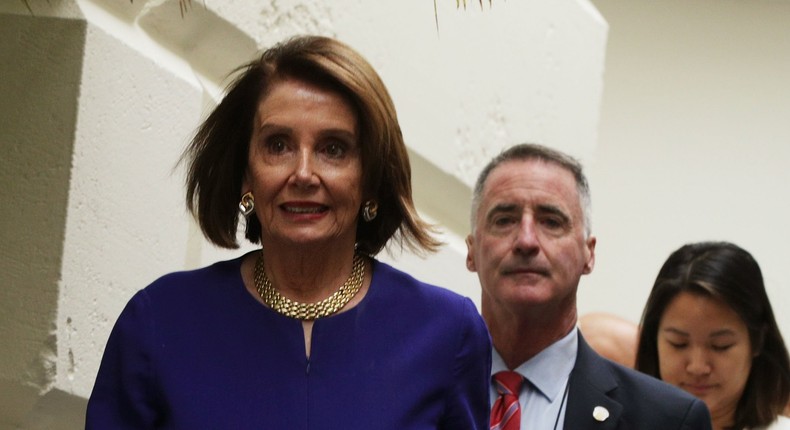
{"x":309,"y":311}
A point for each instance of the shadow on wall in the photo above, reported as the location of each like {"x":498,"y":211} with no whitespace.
{"x":55,"y":410}
{"x":211,"y":45}
{"x":39,"y":92}
{"x":40,"y":95}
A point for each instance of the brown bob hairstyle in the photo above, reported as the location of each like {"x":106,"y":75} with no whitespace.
{"x":217,"y":157}
{"x":728,"y":273}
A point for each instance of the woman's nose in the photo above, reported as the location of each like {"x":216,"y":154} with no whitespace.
{"x":304,"y":171}
{"x":698,"y":362}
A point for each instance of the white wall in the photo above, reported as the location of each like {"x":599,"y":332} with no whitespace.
{"x":690,"y":142}
{"x":141,"y":77}
{"x":694,"y":143}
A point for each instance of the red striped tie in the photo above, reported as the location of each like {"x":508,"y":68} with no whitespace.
{"x":506,"y":413}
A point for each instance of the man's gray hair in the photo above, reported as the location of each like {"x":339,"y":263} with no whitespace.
{"x":531,"y":151}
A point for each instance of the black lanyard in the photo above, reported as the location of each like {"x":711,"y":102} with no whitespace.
{"x":562,"y":403}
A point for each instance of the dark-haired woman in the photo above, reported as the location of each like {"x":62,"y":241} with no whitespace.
{"x":709,"y":329}
{"x":310,"y":332}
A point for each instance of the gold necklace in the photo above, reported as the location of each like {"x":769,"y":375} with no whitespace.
{"x":309,"y":311}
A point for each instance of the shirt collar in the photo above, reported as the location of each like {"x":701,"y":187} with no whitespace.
{"x":549,"y":370}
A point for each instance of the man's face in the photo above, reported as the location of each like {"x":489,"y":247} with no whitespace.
{"x":529,"y":249}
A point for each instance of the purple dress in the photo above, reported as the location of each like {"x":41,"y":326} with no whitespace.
{"x":195,"y":351}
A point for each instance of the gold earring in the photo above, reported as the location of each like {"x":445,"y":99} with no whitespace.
{"x":370,"y":210}
{"x":247,"y":203}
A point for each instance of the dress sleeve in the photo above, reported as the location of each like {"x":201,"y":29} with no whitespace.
{"x":468,"y":403}
{"x":124,"y":394}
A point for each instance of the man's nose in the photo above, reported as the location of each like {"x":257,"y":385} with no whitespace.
{"x":526,"y":240}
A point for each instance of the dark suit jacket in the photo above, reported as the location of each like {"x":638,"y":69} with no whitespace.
{"x":634,"y":401}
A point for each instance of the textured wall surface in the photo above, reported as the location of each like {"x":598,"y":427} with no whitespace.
{"x":94,"y":111}
{"x":40,"y":68}
{"x":126,"y":223}
{"x":694,"y":143}
{"x":102,"y":104}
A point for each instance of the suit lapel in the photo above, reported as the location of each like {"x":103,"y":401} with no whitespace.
{"x":589,"y":404}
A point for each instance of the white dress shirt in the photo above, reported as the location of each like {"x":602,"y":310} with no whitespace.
{"x":543,"y":397}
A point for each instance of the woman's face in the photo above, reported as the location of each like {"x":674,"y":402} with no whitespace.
{"x":304,"y":168}
{"x":704,"y":348}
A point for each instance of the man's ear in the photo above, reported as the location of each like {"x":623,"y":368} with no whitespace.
{"x":589,"y":262}
{"x":470,"y":259}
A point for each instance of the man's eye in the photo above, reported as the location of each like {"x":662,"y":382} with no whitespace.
{"x":503,"y":221}
{"x":552,"y":223}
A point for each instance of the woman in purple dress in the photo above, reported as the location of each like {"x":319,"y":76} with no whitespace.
{"x":310,"y":331}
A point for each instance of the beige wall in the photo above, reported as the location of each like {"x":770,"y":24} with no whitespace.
{"x":37,"y":124}
{"x":95,"y":110}
{"x":694,"y":143}
{"x":689,"y":142}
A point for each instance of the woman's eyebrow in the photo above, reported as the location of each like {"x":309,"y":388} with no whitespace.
{"x":674,"y":330}
{"x":722,"y":332}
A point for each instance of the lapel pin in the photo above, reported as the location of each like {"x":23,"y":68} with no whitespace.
{"x":600,"y":413}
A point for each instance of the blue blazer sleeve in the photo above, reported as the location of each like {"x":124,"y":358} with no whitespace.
{"x":698,"y":417}
{"x":124,"y":395}
{"x":634,"y":400}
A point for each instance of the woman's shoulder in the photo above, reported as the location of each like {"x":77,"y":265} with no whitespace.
{"x":782,"y":423}
{"x":401,"y":297}
{"x":397,"y":286}
{"x":190,"y":292}
{"x":396,"y":279}
{"x":216,"y":274}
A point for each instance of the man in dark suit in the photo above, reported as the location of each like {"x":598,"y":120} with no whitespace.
{"x":530,"y":244}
